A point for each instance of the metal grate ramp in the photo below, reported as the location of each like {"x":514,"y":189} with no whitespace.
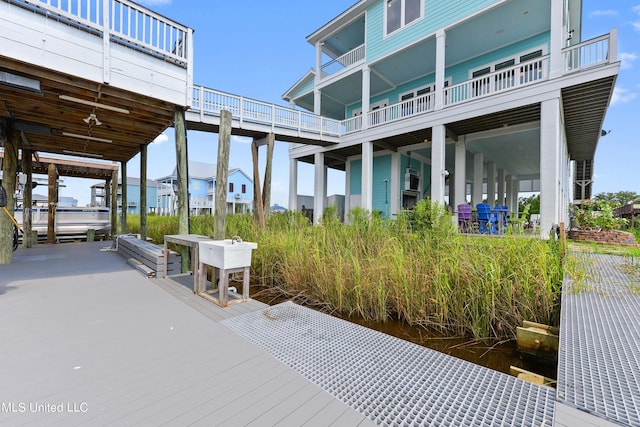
{"x":393,"y":382}
{"x":599,"y":355}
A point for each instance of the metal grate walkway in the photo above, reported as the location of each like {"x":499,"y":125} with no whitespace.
{"x":392,"y":381}
{"x":599,"y":356}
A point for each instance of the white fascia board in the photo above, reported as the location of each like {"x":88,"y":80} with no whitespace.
{"x":342,"y":20}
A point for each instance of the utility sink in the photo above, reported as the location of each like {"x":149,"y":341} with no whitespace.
{"x":226,"y":254}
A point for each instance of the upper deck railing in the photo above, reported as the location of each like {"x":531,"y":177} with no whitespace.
{"x":590,"y":53}
{"x":350,"y":58}
{"x":210,"y":102}
{"x":127,"y":23}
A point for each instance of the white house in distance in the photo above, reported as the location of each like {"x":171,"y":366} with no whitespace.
{"x":458,"y":101}
{"x":202,"y":189}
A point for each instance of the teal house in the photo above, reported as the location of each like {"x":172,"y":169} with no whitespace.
{"x":457,"y":101}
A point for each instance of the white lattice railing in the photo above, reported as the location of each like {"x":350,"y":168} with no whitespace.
{"x":590,"y":53}
{"x":410,"y":107}
{"x":352,"y":57}
{"x":506,"y":79}
{"x":212,"y":102}
{"x":127,"y":23}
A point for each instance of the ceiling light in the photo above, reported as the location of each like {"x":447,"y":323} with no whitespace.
{"x":81,"y":153}
{"x":92,"y":119}
{"x":93,"y":104}
{"x":90,"y":138}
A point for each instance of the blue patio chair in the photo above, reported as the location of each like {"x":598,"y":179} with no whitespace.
{"x":501,"y":217}
{"x":464,"y":218}
{"x":486,"y":221}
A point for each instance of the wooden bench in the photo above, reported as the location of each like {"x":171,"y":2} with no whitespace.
{"x":149,"y":254}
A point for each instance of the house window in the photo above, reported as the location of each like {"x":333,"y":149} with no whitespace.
{"x":231,"y":187}
{"x":400,"y":13}
{"x":244,"y":188}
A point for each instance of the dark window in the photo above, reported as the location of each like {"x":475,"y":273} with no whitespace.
{"x":505,"y":64}
{"x":231,"y":187}
{"x":401,"y":13}
{"x":244,"y":188}
{"x":481,"y":72}
{"x":532,"y":55}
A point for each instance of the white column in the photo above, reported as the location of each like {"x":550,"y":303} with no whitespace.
{"x":438,"y":136}
{"x":491,"y":183}
{"x":501,"y":189}
{"x":347,"y":189}
{"x":478,"y":178}
{"x":557,"y":38}
{"x":292,"y":104}
{"x":318,"y":75}
{"x":515,"y":190}
{"x":317,"y":102}
{"x":293,"y":184}
{"x":460,"y":178}
{"x":317,"y":95}
{"x":395,"y":184}
{"x":318,"y":188}
{"x":550,"y":143}
{"x":452,"y":190}
{"x":440,"y":68}
{"x":367,"y":176}
{"x":366,"y":96}
{"x":509,"y":191}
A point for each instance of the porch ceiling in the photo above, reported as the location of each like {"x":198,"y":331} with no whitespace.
{"x":43,"y":116}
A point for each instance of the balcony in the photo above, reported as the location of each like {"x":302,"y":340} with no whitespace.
{"x":353,"y":57}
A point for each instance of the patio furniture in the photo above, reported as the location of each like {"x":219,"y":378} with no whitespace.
{"x":501,"y":217}
{"x":465,"y":220}
{"x":486,"y":221}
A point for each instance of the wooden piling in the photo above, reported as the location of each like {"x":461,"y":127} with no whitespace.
{"x":27,"y":199}
{"x":266,"y":193}
{"x":9,"y":168}
{"x":143,"y":192}
{"x":222,"y":173}
{"x":183,"y":184}
{"x":114,"y":203}
{"x":123,"y":215}
{"x":53,"y":202}
{"x":258,"y":209}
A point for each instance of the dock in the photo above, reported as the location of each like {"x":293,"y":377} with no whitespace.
{"x":89,"y":340}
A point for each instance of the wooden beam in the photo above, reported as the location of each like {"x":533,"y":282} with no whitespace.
{"x":385,"y":145}
{"x":335,"y":156}
{"x":143,"y":192}
{"x":266,"y":193}
{"x":53,"y":203}
{"x":258,"y":209}
{"x":27,"y":198}
{"x":183,"y":184}
{"x":222,"y":174}
{"x":9,"y":167}
{"x":451,"y":134}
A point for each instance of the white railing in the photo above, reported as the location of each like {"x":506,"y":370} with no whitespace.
{"x":352,"y":57}
{"x":401,"y":110}
{"x":128,"y":23}
{"x":352,"y":124}
{"x":211,"y":102}
{"x":588,"y":54}
{"x":506,"y":79}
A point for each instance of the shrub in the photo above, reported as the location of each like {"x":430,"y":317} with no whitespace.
{"x":597,"y":215}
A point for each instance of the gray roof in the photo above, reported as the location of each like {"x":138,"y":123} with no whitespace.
{"x":199,"y":170}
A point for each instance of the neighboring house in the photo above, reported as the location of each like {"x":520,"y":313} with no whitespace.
{"x":202,"y":185}
{"x":98,"y":195}
{"x":457,"y":101}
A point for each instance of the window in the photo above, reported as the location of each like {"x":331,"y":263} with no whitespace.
{"x":402,"y":12}
{"x":244,"y":188}
{"x":231,"y":187}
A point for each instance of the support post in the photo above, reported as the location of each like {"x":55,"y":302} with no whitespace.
{"x":319,"y":191}
{"x":440,"y":69}
{"x":125,"y":199}
{"x":222,"y":175}
{"x":460,"y":179}
{"x":183,"y":185}
{"x":367,"y":176}
{"x":438,"y":135}
{"x":9,"y":167}
{"x":53,"y":202}
{"x":258,"y":207}
{"x":293,"y":184}
{"x":114,"y":203}
{"x":27,"y":199}
{"x":266,"y":194}
{"x":478,"y":178}
{"x":143,"y":192}
{"x":491,"y":183}
{"x":550,"y":139}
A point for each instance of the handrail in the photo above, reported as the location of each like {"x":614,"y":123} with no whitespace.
{"x":127,"y":23}
{"x":401,"y":110}
{"x":352,"y":57}
{"x":519,"y":75}
{"x":589,"y":53}
{"x":212,"y":102}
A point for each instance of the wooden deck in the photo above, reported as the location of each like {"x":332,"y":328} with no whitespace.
{"x":88,"y":340}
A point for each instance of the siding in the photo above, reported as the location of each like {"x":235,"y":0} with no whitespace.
{"x":382,"y":171}
{"x":238,"y":179}
{"x":308,"y":87}
{"x":198,"y":188}
{"x":437,"y":14}
{"x":356,"y":177}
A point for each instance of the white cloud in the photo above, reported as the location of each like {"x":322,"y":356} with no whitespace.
{"x":627,"y":58}
{"x":605,"y":12}
{"x":240,"y":139}
{"x":160,"y":139}
{"x":636,"y":9}
{"x":622,"y":95}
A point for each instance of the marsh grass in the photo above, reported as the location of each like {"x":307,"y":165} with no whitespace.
{"x":416,"y":269}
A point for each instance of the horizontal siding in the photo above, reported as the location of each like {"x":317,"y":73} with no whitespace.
{"x":355,"y":186}
{"x":382,"y":171}
{"x":437,"y":14}
{"x":303,"y":90}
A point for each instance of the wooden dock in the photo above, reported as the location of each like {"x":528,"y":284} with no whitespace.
{"x":88,"y":340}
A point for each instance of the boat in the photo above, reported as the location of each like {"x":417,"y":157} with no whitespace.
{"x":70,"y":221}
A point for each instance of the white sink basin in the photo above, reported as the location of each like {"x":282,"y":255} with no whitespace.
{"x":226,"y":254}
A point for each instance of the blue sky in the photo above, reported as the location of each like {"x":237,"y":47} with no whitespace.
{"x":258,"y":49}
